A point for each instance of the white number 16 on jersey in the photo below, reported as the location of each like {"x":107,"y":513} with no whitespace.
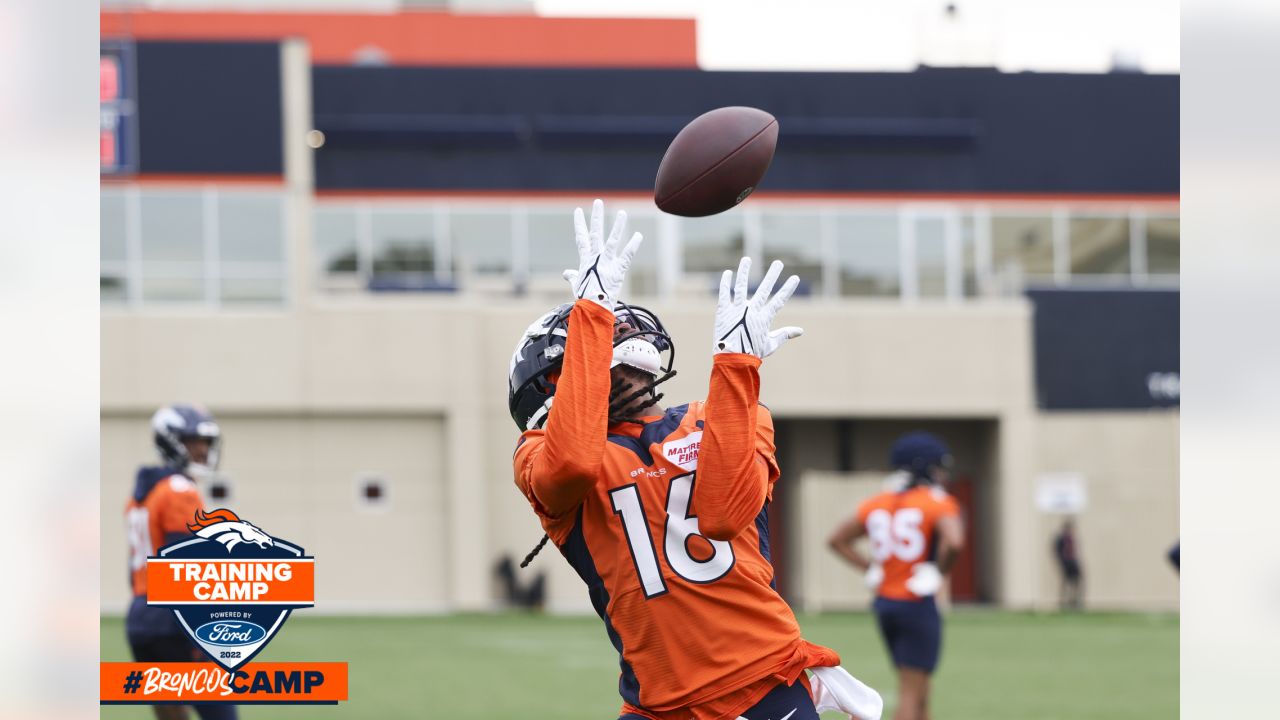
{"x":680,"y":527}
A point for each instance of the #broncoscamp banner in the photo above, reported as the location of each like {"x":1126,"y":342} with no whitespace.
{"x":231,"y":588}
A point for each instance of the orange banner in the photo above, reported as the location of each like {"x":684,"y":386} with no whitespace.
{"x":415,"y":37}
{"x":238,"y":582}
{"x":134,"y":683}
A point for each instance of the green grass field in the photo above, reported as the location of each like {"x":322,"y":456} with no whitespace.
{"x":995,"y":665}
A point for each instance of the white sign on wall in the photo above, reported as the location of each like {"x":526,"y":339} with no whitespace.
{"x":1061,"y":493}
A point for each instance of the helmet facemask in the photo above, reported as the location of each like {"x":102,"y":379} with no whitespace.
{"x":638,"y":344}
{"x":206,"y":469}
{"x":172,"y":425}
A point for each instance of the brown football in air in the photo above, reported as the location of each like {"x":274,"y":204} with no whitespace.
{"x":716,"y":161}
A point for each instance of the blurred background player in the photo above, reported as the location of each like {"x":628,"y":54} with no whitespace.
{"x":165,"y":499}
{"x":702,"y":634}
{"x":1065,"y":551}
{"x":529,"y":595}
{"x":916,"y":535}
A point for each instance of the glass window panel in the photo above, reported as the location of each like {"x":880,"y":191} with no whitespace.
{"x":796,"y":240}
{"x":403,"y":242}
{"x":1099,"y":245}
{"x":1163,"y":250}
{"x":551,"y":241}
{"x":931,"y":257}
{"x":172,"y":287}
{"x":172,"y":227}
{"x":481,"y":242}
{"x":111,"y":213}
{"x":251,"y":242}
{"x":1021,"y":245}
{"x":335,"y":244}
{"x":867,"y":253}
{"x":712,"y":244}
{"x":252,"y":290}
{"x":251,"y":228}
{"x":642,"y":278}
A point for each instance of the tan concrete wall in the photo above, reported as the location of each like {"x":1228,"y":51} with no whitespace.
{"x":296,"y":476}
{"x":429,"y":373}
{"x":1130,"y":465}
{"x":827,"y":582}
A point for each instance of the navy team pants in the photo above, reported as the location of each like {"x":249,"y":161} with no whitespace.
{"x":912,"y":630}
{"x":178,"y":648}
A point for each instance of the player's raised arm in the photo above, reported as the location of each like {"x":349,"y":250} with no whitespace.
{"x":568,"y":462}
{"x":733,"y":471}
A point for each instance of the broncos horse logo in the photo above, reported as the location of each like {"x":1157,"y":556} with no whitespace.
{"x":227,"y":528}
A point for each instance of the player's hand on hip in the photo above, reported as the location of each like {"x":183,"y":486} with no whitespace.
{"x":925,"y":579}
{"x":602,"y":264}
{"x":873,"y":577}
{"x":742,"y":323}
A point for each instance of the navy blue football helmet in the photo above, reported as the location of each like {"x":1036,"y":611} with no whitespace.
{"x":174,"y":423}
{"x":541,"y":351}
{"x":918,"y":453}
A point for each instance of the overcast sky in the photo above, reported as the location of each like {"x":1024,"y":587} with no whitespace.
{"x":1045,"y":35}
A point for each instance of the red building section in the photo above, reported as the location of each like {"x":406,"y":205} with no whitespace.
{"x":434,"y":38}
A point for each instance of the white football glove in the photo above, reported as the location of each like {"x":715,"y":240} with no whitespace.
{"x":742,"y":324}
{"x":834,"y":689}
{"x":873,"y":577}
{"x":601,"y":265}
{"x":925,"y":579}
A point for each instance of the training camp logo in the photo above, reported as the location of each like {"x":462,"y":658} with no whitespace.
{"x":231,"y":586}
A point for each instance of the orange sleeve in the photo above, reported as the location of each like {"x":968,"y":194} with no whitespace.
{"x":178,"y":506}
{"x":734,"y":475}
{"x":566,"y":465}
{"x":532,"y":444}
{"x":765,"y":447}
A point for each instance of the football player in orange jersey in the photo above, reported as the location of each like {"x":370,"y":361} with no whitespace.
{"x":663,"y":512}
{"x":165,"y":499}
{"x":916,"y":535}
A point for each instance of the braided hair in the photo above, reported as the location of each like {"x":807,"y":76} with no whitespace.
{"x":534,"y":552}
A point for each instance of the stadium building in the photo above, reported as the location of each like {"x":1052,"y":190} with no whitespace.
{"x":334,"y":238}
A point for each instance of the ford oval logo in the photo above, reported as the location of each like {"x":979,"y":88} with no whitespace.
{"x":231,"y":632}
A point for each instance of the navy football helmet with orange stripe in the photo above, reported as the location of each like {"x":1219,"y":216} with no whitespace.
{"x":173,"y":424}
{"x":639,"y":340}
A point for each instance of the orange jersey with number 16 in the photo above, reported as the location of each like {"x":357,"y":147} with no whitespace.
{"x":636,"y":510}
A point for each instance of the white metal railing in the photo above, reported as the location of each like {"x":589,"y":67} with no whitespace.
{"x":214,"y":246}
{"x":944,"y":249}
